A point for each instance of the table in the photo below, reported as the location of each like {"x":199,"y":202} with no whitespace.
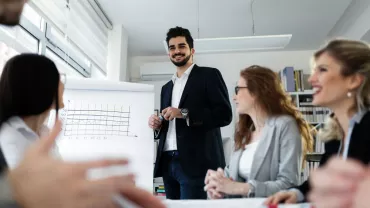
{"x":227,"y":203}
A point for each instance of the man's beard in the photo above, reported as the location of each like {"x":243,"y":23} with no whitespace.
{"x":181,"y":63}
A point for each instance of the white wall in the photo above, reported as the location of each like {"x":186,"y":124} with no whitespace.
{"x":230,"y":65}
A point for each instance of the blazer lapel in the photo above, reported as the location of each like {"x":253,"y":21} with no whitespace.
{"x":262,"y":148}
{"x":234,"y":165}
{"x":359,"y":144}
{"x":168,"y":95}
{"x":188,"y":86}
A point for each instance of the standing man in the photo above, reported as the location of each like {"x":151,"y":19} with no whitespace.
{"x":194,"y":105}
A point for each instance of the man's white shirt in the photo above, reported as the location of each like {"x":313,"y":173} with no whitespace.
{"x":178,"y":88}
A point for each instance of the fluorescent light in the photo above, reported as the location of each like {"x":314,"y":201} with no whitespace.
{"x":246,"y":43}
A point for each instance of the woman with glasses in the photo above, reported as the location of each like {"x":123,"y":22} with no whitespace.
{"x":30,"y":87}
{"x":269,"y":138}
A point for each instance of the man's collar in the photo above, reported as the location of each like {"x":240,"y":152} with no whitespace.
{"x":187,"y":72}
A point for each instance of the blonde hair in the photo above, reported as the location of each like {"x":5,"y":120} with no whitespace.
{"x":354,"y":58}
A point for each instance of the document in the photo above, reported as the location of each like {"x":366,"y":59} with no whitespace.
{"x":227,"y":203}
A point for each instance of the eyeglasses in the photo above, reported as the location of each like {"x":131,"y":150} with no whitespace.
{"x":237,"y":88}
{"x":63,"y":78}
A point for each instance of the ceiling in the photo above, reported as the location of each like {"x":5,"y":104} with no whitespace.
{"x":147,"y":21}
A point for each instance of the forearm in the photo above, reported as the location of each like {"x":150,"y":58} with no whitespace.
{"x":304,"y":188}
{"x":267,"y":188}
{"x":240,"y":188}
{"x":300,"y":196}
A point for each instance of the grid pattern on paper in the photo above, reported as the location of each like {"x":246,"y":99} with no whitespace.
{"x":96,"y":119}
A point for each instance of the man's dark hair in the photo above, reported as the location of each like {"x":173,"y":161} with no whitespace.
{"x":179,"y":31}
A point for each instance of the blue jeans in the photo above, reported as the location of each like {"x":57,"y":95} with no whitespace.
{"x":177,"y":184}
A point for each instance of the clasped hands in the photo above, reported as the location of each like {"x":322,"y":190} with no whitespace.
{"x":217,"y":185}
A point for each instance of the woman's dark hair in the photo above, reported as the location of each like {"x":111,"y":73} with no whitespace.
{"x":28,"y":86}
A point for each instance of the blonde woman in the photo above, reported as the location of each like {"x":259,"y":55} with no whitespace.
{"x":340,"y":80}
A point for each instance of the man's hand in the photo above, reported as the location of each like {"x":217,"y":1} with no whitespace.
{"x":170,"y":113}
{"x":155,"y":122}
{"x":335,"y":184}
{"x":41,"y":181}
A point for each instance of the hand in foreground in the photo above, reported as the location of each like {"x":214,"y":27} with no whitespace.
{"x":286,"y":197}
{"x":335,"y":184}
{"x":361,"y":197}
{"x":41,"y":181}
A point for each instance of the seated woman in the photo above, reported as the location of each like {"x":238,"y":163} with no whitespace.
{"x":341,"y":82}
{"x":268,"y":140}
{"x":30,"y":87}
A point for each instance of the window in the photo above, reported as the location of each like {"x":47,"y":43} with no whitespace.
{"x":35,"y":34}
{"x":61,"y":64}
{"x":30,"y":14}
{"x":18,"y":35}
{"x":6,"y":53}
{"x":96,"y":73}
{"x":80,"y":21}
{"x":61,"y":40}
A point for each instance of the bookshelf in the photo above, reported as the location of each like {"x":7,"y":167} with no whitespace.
{"x":315,"y":116}
{"x":158,"y":186}
{"x":312,"y":114}
{"x":295,"y":83}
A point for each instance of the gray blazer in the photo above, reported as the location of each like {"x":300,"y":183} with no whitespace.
{"x":277,"y":161}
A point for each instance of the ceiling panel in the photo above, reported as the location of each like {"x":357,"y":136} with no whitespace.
{"x":147,"y":21}
{"x":224,"y":19}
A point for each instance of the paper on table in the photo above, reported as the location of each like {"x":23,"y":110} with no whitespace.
{"x":229,"y":203}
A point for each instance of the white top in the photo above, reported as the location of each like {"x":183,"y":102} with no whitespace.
{"x":16,"y":137}
{"x":178,"y":88}
{"x":246,"y":160}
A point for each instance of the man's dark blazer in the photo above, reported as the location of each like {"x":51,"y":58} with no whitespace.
{"x":200,"y":144}
{"x":359,"y":148}
{"x":3,"y":164}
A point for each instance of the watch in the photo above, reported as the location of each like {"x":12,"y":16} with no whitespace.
{"x":184,"y":112}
